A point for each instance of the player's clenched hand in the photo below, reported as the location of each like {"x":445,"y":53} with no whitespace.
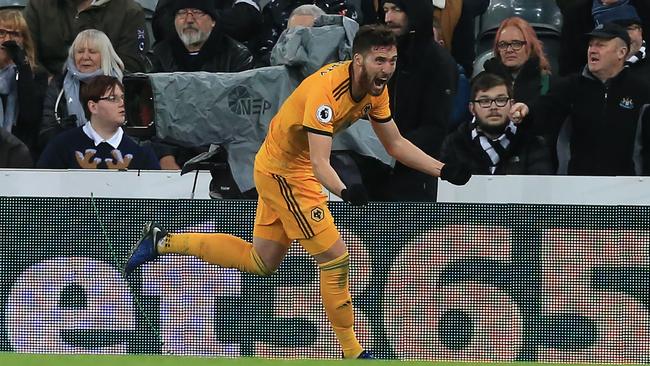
{"x":457,"y":174}
{"x":355,"y":195}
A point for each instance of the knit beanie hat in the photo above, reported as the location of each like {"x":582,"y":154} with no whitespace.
{"x":620,"y":10}
{"x":205,"y":5}
{"x":625,"y":16}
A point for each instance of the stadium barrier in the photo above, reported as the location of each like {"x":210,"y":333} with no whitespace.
{"x":452,"y":281}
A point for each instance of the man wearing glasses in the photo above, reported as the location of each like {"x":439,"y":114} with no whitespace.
{"x":491,"y":143}
{"x":199,"y":43}
{"x":101,"y":142}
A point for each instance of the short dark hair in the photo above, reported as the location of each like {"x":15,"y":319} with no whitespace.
{"x":485,"y":81}
{"x":370,"y":36}
{"x":96,"y":88}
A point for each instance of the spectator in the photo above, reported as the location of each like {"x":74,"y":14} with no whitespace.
{"x":240,"y":19}
{"x":90,"y":55}
{"x":372,"y":12}
{"x":199,"y":43}
{"x":304,"y":16}
{"x":421,"y":93}
{"x":491,"y":143}
{"x":447,"y":13}
{"x":13,"y":152}
{"x":637,"y":59}
{"x":101,"y":142}
{"x":55,"y":24}
{"x":578,"y":19}
{"x":22,"y":83}
{"x":604,"y":104}
{"x":520,"y":60}
{"x":276,"y":16}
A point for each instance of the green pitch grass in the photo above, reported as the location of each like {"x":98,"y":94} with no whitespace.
{"x":24,"y":359}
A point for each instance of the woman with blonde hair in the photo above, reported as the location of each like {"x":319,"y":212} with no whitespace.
{"x":91,"y":54}
{"x":520,"y":59}
{"x":22,"y":83}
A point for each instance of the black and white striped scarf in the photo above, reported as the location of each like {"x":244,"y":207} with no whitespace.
{"x":497,"y":148}
{"x":640,"y":55}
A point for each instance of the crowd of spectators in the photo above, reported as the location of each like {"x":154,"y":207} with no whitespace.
{"x":53,"y":50}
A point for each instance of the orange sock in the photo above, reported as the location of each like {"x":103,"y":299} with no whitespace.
{"x":335,"y":291}
{"x":222,"y":249}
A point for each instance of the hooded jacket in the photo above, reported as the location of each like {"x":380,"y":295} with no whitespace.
{"x":421,"y":96}
{"x":220,"y":53}
{"x":54,"y":24}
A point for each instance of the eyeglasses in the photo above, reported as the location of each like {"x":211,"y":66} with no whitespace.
{"x":196,"y":13}
{"x":516,"y":45}
{"x":9,"y":33}
{"x":487,"y":102}
{"x":113,"y":98}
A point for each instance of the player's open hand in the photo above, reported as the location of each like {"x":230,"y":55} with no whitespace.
{"x":517,"y":112}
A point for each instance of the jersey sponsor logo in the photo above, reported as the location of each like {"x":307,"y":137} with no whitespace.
{"x":324,"y":114}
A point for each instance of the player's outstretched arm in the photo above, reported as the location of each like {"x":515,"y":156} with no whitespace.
{"x":410,"y":155}
{"x":320,"y":147}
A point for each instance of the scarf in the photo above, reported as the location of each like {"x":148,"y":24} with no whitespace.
{"x":640,"y":55}
{"x":9,"y":92}
{"x":495,"y":149}
{"x":71,"y":89}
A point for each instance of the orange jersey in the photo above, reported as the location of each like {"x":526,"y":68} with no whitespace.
{"x":321,"y":104}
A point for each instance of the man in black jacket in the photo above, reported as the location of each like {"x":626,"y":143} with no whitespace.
{"x":240,"y":19}
{"x":199,"y":43}
{"x":608,"y":134}
{"x":421,"y":93}
{"x":491,"y":143}
{"x":578,"y":20}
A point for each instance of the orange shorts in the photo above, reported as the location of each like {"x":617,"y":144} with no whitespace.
{"x":293,"y":209}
